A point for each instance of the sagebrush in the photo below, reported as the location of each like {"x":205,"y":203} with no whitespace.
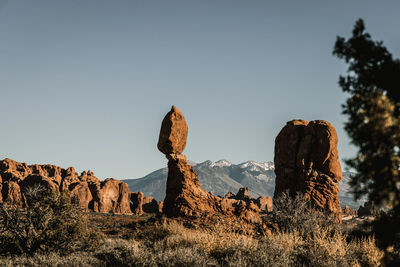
{"x":47,"y":222}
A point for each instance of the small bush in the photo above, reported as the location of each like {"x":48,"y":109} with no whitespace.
{"x":297,"y":214}
{"x":48,"y":222}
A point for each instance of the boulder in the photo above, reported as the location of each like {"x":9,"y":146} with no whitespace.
{"x":306,"y":160}
{"x":173,"y":133}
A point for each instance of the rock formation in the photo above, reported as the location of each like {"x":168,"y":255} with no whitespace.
{"x":306,"y":160}
{"x":137,"y":203}
{"x":347,"y":211}
{"x":184,"y":195}
{"x":263,"y":203}
{"x":150,"y":205}
{"x":111,"y":195}
{"x":86,"y":190}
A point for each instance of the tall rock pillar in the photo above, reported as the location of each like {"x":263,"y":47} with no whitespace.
{"x":306,"y":160}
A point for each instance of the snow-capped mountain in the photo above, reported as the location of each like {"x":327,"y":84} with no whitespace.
{"x":222,"y":176}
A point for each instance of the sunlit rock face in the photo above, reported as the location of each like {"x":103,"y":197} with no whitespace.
{"x":306,"y":160}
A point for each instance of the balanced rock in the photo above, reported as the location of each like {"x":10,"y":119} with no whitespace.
{"x":173,"y":133}
{"x":306,"y":160}
{"x":184,"y":194}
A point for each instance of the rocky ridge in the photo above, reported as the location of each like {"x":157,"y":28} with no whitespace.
{"x":86,"y":190}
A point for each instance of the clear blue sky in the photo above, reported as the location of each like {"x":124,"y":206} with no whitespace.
{"x":87,"y":83}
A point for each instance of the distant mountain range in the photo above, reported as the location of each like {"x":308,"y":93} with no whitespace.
{"x":222,"y":176}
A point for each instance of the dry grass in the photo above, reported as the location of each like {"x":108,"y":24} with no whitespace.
{"x":170,"y":243}
{"x":305,"y":239}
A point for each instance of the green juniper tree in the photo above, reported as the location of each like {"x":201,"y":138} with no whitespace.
{"x":373,"y":109}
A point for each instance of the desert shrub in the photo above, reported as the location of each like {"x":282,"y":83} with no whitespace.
{"x":297,"y":214}
{"x":48,"y":222}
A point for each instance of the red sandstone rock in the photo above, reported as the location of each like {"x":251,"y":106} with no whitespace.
{"x":70,"y":177}
{"x":229,"y":195}
{"x":184,"y":195}
{"x":264,"y":203}
{"x":150,"y":205}
{"x":306,"y":160}
{"x":12,"y":193}
{"x":173,"y":133}
{"x":80,"y":194}
{"x":111,"y":195}
{"x":11,"y":170}
{"x":86,"y":190}
{"x":137,"y":203}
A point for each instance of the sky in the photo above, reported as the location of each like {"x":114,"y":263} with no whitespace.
{"x":87,"y":83}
